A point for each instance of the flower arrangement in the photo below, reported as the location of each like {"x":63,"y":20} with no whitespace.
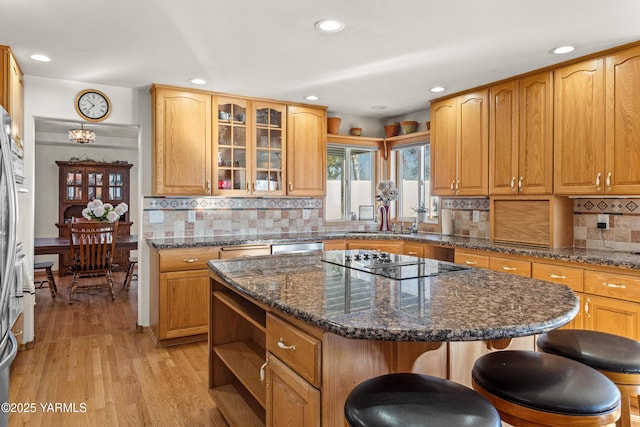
{"x":388,"y":192}
{"x":99,"y":211}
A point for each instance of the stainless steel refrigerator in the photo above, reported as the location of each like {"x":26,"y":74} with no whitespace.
{"x":8,"y":249}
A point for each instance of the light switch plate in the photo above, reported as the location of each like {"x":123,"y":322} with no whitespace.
{"x":155,"y":217}
{"x":476,"y":216}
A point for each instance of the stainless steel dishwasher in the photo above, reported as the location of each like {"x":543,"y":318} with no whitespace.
{"x":290,"y":248}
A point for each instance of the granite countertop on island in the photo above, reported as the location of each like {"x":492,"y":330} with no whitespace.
{"x":467,"y":305}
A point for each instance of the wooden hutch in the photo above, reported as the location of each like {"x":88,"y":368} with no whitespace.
{"x":81,"y":182}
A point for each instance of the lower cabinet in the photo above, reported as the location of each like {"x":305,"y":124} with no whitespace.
{"x":291,"y":401}
{"x":179,"y":304}
{"x":391,"y":246}
{"x":612,"y":315}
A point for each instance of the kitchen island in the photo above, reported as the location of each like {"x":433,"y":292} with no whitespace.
{"x":314,"y":329}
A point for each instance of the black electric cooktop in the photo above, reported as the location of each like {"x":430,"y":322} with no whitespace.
{"x":392,"y":266}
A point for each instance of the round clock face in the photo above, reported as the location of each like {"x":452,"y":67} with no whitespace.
{"x":93,"y":105}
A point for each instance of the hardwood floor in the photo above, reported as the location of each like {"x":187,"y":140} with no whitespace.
{"x":89,"y":366}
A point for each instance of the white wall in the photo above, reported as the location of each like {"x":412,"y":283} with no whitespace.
{"x":54,"y":98}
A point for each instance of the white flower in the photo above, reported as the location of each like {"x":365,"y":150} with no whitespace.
{"x":104,"y":211}
{"x":388,"y":192}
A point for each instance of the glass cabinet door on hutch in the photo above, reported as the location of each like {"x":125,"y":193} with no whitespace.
{"x":269,"y":142}
{"x":74,"y":184}
{"x":94,"y":185}
{"x":231,"y":137}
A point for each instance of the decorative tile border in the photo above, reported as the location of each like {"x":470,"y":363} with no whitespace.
{"x":205,"y":203}
{"x":608,"y":206}
{"x":480,"y":204}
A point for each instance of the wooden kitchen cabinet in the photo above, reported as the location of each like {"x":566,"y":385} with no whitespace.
{"x":182,"y":141}
{"x":511,"y":266}
{"x":521,"y":136}
{"x":597,"y":133}
{"x":334,"y":245}
{"x":306,"y":151}
{"x":423,"y":250}
{"x":179,"y":304}
{"x":611,"y":315}
{"x":12,"y":92}
{"x":471,"y":259}
{"x":391,"y":246}
{"x":460,"y":145}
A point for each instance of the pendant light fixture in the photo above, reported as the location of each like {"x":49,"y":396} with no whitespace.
{"x":82,"y":135}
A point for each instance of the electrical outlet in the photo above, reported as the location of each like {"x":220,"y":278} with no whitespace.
{"x":603,"y":222}
{"x":476,"y":216}
{"x":191,"y":216}
{"x":306,"y":214}
{"x":155,"y":217}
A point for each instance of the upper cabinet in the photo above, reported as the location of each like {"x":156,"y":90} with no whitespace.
{"x":12,"y":92}
{"x":597,"y":133}
{"x":213,"y":144}
{"x":460,"y":145}
{"x":521,"y":136}
{"x":182,"y":142}
{"x":306,"y":151}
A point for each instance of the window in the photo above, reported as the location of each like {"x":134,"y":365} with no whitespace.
{"x":350,"y":180}
{"x":413,"y":179}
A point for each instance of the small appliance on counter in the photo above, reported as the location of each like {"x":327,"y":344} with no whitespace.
{"x":446,"y":220}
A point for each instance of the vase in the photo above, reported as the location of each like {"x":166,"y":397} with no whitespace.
{"x":383,"y":216}
{"x":333,"y":125}
{"x":422,"y":216}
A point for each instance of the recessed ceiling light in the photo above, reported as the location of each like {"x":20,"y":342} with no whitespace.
{"x":311,"y":98}
{"x":562,"y":50}
{"x":436,"y":89}
{"x":40,"y":57}
{"x":198,"y":81}
{"x":378,"y":107}
{"x":329,"y":25}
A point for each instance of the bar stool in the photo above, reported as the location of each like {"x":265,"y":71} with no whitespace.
{"x":46,"y":266}
{"x":616,"y":357}
{"x":133,"y":261}
{"x":539,"y":389}
{"x":412,"y":400}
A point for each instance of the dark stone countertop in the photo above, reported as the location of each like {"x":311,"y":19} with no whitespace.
{"x":586,"y":256}
{"x":468,"y":305}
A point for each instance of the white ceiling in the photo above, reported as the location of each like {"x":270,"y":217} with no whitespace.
{"x":390,"y":53}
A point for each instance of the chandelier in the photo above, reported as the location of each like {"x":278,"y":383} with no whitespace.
{"x":82,"y":135}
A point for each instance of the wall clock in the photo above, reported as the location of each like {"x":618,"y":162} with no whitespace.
{"x":93,"y":105}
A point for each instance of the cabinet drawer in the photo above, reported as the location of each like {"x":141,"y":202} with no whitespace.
{"x":472,"y":260}
{"x":295,"y":348}
{"x":620,"y":286}
{"x":569,"y":276}
{"x":244,"y":250}
{"x":512,"y":266}
{"x":187,"y":258}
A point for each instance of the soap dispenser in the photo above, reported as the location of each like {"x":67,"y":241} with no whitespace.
{"x":414,"y":226}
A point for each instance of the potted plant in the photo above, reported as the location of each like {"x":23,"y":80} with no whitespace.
{"x":421,"y":212}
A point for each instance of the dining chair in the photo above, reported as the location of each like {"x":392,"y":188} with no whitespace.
{"x":92,"y":248}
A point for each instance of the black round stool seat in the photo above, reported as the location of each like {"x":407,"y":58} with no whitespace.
{"x":600,"y":350}
{"x":546,"y":382}
{"x":412,"y":400}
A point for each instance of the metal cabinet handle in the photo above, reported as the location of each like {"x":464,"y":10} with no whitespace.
{"x":556,"y":276}
{"x":598,"y":181}
{"x":505,"y":268}
{"x":452,"y":186}
{"x":248,"y":187}
{"x":608,"y":181}
{"x":586,"y":307}
{"x":513,"y":183}
{"x":412,"y":253}
{"x":283,"y":346}
{"x":457,"y":185}
{"x":208,"y":186}
{"x":520,"y":183}
{"x":471,"y":262}
{"x":614,"y":285}
{"x":262,"y":370}
{"x":290,"y":187}
{"x":191,"y":260}
{"x":254,"y":186}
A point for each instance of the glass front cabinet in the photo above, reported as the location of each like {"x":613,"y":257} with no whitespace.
{"x":249,"y":152}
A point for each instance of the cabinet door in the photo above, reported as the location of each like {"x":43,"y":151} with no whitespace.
{"x":184,"y":300}
{"x":623,"y":122}
{"x":473,"y":145}
{"x":443,"y":147}
{"x":269,"y":142}
{"x":73,"y":185}
{"x":16,"y":101}
{"x":232,"y":147}
{"x":182,"y":148}
{"x":291,"y":401}
{"x":306,"y":151}
{"x":535,"y":165}
{"x":612,"y":315}
{"x":579,"y":128}
{"x":503,"y":138}
{"x":578,"y":321}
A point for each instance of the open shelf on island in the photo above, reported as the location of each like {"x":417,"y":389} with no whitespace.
{"x":235,"y":409}
{"x":244,"y":359}
{"x":245,"y":309}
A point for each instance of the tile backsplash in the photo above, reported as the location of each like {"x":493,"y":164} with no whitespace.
{"x":169,"y":217}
